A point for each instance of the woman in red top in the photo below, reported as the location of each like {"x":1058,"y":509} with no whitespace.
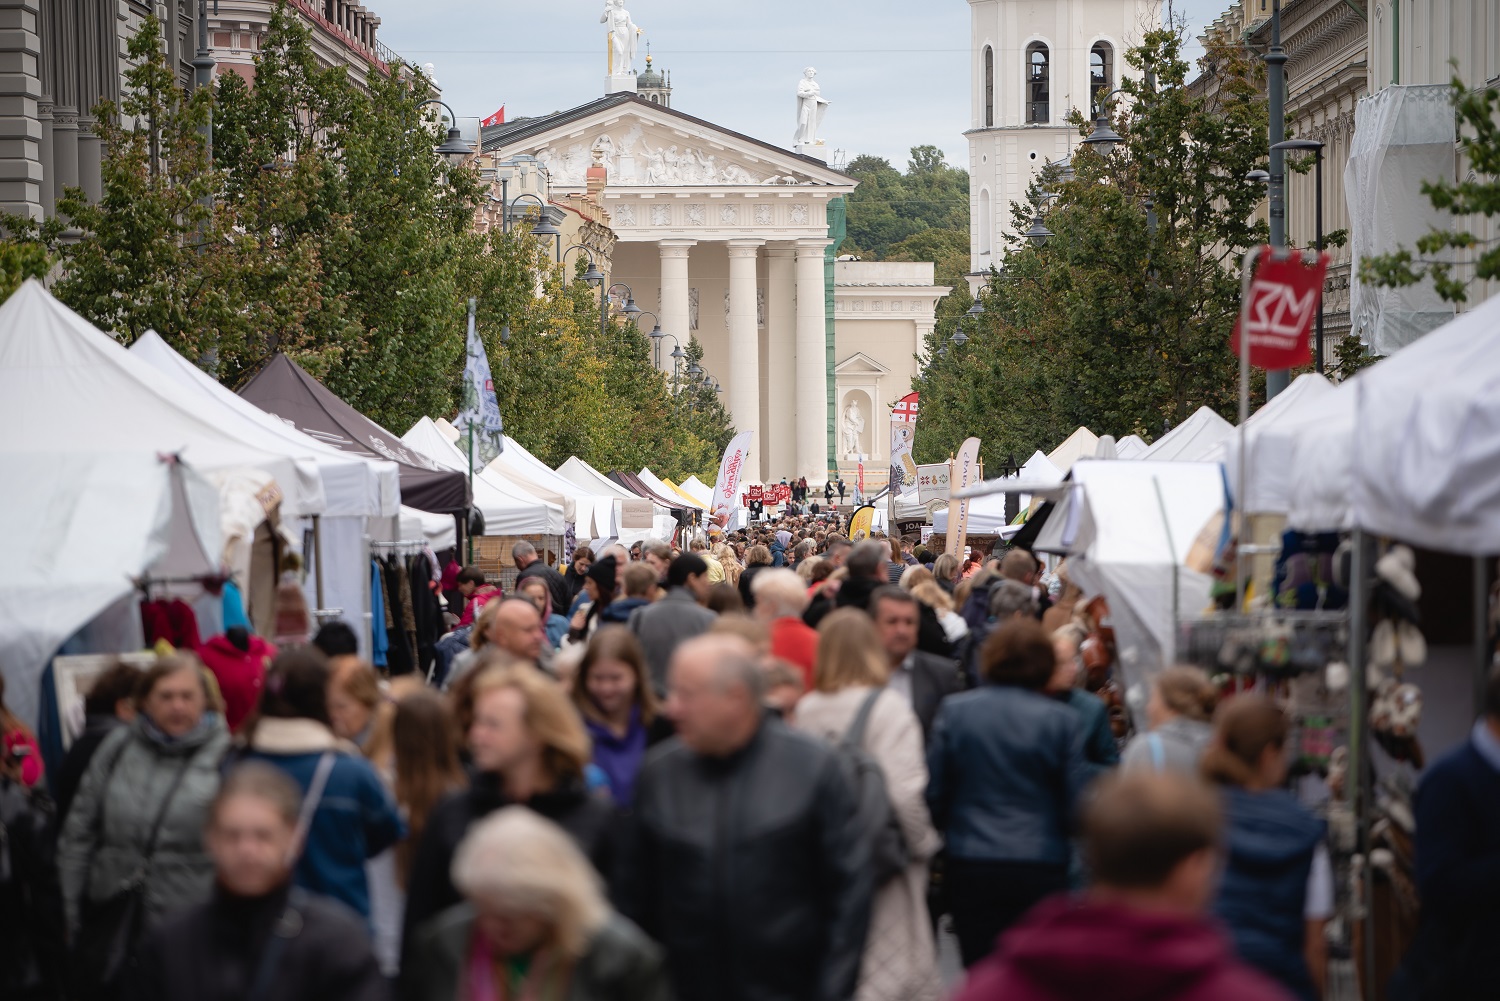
{"x":19,"y":756}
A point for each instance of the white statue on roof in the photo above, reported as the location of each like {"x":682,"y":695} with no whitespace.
{"x":811,"y":106}
{"x":624,"y":37}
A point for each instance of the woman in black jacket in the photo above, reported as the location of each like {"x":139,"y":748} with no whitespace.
{"x":529,"y":748}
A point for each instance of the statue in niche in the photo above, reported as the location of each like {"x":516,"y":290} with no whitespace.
{"x":692,"y":309}
{"x":853,"y":425}
{"x":760,"y":307}
{"x":811,"y":106}
{"x":624,"y":37}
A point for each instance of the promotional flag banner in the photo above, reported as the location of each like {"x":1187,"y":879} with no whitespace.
{"x":861,"y":521}
{"x":932,"y":482}
{"x":1284,"y":299}
{"x":727,"y":486}
{"x":964,"y":475}
{"x":498,"y":118}
{"x":903,"y":430}
{"x":479,"y":417}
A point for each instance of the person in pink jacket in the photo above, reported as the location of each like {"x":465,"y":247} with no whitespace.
{"x":238,"y":661}
{"x":1140,"y":933}
{"x":20,"y":758}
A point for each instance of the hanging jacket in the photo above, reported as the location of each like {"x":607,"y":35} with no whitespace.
{"x":239,"y":673}
{"x":1271,"y":840}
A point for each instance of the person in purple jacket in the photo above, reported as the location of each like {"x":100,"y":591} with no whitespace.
{"x":614,"y":696}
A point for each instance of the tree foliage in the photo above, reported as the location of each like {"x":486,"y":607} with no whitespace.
{"x":324,"y":226}
{"x":889,"y":207}
{"x":1121,"y":321}
{"x":1477,"y":194}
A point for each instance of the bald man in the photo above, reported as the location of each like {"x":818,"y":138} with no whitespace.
{"x":746,"y":860}
{"x":518,"y":630}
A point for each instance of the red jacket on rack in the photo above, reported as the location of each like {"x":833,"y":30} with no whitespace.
{"x":240,"y":674}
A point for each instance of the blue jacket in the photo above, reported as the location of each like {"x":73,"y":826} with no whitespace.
{"x":778,"y":553}
{"x":1005,"y":767}
{"x":356,"y":818}
{"x":1271,"y":840}
{"x":618,"y":611}
{"x":1100,"y":752}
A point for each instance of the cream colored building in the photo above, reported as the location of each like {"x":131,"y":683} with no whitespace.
{"x":1034,"y":61}
{"x":725,"y":239}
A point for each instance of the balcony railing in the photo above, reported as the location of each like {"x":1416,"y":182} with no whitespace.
{"x":1038,"y":113}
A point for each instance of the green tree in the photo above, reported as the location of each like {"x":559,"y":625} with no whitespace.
{"x":1477,"y":194}
{"x":1120,"y":322}
{"x":889,"y":207}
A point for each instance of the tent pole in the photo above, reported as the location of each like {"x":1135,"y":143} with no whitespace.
{"x":1482,"y":656}
{"x":318,"y":555}
{"x":1360,"y":776}
{"x":1242,"y":530}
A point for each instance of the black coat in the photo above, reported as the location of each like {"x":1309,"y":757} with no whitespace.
{"x":751,"y":870}
{"x":590,"y":819}
{"x":66,"y":780}
{"x":933,"y":679}
{"x":32,"y":953}
{"x":213,"y":952}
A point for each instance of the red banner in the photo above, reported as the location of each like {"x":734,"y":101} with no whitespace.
{"x":1284,"y":299}
{"x":498,"y":118}
{"x":755,"y":493}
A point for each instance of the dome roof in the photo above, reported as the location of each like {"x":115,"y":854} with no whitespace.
{"x":649,"y":78}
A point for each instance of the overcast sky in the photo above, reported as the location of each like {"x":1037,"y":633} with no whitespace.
{"x":896,"y":71}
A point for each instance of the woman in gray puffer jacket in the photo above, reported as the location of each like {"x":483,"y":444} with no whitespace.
{"x":1181,"y":705}
{"x":129,"y":781}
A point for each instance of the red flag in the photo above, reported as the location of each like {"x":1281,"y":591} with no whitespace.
{"x":498,"y":118}
{"x":1284,"y":299}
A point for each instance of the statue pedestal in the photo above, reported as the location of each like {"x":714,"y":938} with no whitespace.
{"x":614,"y":83}
{"x":817,"y":150}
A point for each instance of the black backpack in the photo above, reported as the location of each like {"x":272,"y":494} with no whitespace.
{"x":873,"y":811}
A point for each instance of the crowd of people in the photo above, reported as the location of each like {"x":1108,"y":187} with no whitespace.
{"x":778,"y":766}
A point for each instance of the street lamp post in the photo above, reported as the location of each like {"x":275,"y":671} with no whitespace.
{"x":1317,"y":151}
{"x":593,"y":275}
{"x":1276,"y":58}
{"x":453,"y":149}
{"x":630,"y":309}
{"x":1103,"y":139}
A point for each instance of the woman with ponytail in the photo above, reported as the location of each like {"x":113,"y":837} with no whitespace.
{"x":1178,"y":713}
{"x":1277,"y":891}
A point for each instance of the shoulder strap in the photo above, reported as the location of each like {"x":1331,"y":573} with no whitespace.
{"x":855,"y":736}
{"x":1158,"y":754}
{"x":310,"y":803}
{"x":161,"y":813}
{"x":287,"y":928}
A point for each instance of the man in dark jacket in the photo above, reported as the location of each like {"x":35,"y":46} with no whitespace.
{"x":1139,"y":933}
{"x":662,"y":627}
{"x":745,"y":860}
{"x":866,"y":563}
{"x":923,"y":679}
{"x":257,"y":936}
{"x":109,"y":703}
{"x":531,"y":565}
{"x":1458,"y":869}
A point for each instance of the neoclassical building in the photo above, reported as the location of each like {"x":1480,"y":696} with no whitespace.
{"x":1034,"y":61}
{"x":726,"y":239}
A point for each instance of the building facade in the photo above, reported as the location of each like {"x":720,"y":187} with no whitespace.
{"x":1033,"y":62}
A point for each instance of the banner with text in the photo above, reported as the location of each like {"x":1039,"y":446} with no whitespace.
{"x":903,"y":430}
{"x":727,"y":486}
{"x":932,"y":482}
{"x":964,"y":475}
{"x":861,"y":522}
{"x":1284,"y":298}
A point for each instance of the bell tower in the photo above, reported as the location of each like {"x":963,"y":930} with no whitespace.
{"x":654,"y":85}
{"x":1032,"y":62}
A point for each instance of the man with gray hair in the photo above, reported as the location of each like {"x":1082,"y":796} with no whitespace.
{"x":745,"y":857}
{"x":866,"y":565}
{"x":1008,"y":599}
{"x":526,"y":560}
{"x":780,"y":600}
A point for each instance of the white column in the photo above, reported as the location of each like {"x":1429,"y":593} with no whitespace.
{"x":781,"y":335}
{"x":812,"y":363}
{"x":744,"y":350}
{"x":674,"y":294}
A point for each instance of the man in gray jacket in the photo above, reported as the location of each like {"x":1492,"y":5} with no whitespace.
{"x":662,"y":627}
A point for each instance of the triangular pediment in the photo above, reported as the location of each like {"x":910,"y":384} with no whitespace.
{"x":860,"y":363}
{"x":646,"y":145}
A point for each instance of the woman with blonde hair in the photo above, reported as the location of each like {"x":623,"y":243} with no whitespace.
{"x":945,"y":569}
{"x":1276,"y":894}
{"x":534,"y":924}
{"x":726,"y":556}
{"x":928,"y":593}
{"x":529,"y":748}
{"x":1178,"y":714}
{"x":899,"y":962}
{"x":356,"y":705}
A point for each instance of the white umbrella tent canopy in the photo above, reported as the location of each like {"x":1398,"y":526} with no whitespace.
{"x":440,"y":530}
{"x":1127,"y":529}
{"x":1270,"y":435}
{"x":987,"y":512}
{"x":575,"y":470}
{"x":1193,"y":440}
{"x":662,"y":489}
{"x":698,"y":490}
{"x":507,"y":509}
{"x":1078,"y":445}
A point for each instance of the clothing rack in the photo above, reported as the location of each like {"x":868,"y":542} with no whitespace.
{"x":399,"y":544}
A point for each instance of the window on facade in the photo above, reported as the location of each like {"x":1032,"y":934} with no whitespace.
{"x":1037,"y":74}
{"x":989,"y":86}
{"x":1101,"y":71}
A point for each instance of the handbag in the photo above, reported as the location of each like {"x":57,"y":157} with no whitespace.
{"x":876,"y":818}
{"x":111,"y":928}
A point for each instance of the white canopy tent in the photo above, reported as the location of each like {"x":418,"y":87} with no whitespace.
{"x":700,"y":491}
{"x":662,"y":488}
{"x":1426,"y":455}
{"x":1127,"y":528}
{"x":1191,"y":441}
{"x":84,"y":525}
{"x":1270,"y":435}
{"x":507,"y":509}
{"x":1320,"y":465}
{"x":440,"y":530}
{"x":585,"y":476}
{"x":63,"y":381}
{"x":987,"y":512}
{"x":1078,"y":445}
{"x":1132,"y":446}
